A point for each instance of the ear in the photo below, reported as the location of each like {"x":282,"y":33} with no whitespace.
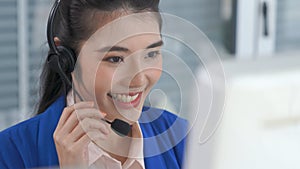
{"x":57,"y":41}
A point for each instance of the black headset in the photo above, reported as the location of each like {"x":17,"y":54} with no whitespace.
{"x":63,"y":54}
{"x":61,"y":59}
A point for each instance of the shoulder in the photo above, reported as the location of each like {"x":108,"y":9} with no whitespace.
{"x":21,"y":143}
{"x":163,"y":126}
{"x":48,"y":119}
{"x":164,"y":137}
{"x":162,"y":120}
{"x":19,"y":131}
{"x":17,"y":143}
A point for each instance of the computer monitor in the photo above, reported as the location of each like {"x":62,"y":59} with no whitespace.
{"x":260,"y":124}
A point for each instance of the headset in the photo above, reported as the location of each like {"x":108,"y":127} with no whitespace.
{"x":61,"y":60}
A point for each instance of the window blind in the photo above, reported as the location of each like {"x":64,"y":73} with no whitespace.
{"x":9,"y":60}
{"x":288,"y":25}
{"x":38,"y":48}
{"x":205,"y":14}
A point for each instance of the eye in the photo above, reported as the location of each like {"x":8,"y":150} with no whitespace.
{"x":152,"y":54}
{"x":114,"y":59}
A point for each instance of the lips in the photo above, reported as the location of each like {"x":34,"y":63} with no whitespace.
{"x":126,"y":100}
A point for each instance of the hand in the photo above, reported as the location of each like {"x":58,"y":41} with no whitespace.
{"x":79,"y":124}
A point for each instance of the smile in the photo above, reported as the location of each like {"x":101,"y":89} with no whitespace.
{"x":126,"y":101}
{"x":125,"y":98}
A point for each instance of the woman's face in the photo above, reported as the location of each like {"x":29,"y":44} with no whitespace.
{"x":119,"y":65}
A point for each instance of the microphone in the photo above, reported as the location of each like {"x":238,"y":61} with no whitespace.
{"x":120,"y":127}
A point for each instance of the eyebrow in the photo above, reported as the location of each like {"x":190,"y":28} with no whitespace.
{"x":122,"y":49}
{"x":154,"y":45}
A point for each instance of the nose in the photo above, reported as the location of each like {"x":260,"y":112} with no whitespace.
{"x":133,"y":72}
{"x":138,"y":79}
{"x":137,"y":74}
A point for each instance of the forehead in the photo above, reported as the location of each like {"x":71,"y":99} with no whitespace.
{"x":139,"y":42}
{"x":126,"y":29}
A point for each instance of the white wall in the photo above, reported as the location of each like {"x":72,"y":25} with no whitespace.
{"x":261,"y":122}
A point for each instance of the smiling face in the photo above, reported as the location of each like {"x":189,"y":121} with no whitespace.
{"x":126,"y":74}
{"x":119,"y":65}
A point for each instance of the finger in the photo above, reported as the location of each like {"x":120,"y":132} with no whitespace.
{"x":83,"y":141}
{"x":90,"y":113}
{"x":81,"y":146}
{"x":72,"y":119}
{"x":86,"y":126}
{"x":70,"y":124}
{"x":68,"y":111}
{"x":82,"y":105}
{"x":96,"y":135}
{"x":65,"y":115}
{"x":76,"y":134}
{"x":89,"y":124}
{"x":79,"y":132}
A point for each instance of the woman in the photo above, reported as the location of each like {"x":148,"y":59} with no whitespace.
{"x":115,"y":70}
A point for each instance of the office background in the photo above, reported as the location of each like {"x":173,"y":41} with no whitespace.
{"x":23,"y":46}
{"x":23,"y":43}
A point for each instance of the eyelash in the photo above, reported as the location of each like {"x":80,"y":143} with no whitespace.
{"x":112,"y":59}
{"x":153,"y":52}
{"x":119,"y":59}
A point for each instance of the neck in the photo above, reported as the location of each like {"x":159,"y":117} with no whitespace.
{"x":116,"y":146}
{"x":126,"y":145}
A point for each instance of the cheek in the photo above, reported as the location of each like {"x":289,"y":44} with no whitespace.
{"x":154,"y":74}
{"x":103,"y":81}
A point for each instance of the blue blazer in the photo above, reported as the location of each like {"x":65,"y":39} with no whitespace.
{"x":30,"y":144}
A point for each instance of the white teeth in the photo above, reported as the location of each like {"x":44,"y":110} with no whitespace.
{"x":128,"y":99}
{"x":119,"y":97}
{"x":124,"y":98}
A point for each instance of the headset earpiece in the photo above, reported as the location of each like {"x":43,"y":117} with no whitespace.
{"x":63,"y":61}
{"x":53,"y":61}
{"x":67,"y":58}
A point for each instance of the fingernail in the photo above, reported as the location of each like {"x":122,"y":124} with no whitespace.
{"x":91,"y":104}
{"x":104,"y":114}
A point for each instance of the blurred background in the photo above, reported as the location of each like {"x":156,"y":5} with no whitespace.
{"x":258,"y":42}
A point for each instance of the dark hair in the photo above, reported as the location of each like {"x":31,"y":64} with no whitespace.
{"x":72,"y":26}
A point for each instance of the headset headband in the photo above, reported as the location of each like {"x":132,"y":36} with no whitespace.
{"x":50,"y":27}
